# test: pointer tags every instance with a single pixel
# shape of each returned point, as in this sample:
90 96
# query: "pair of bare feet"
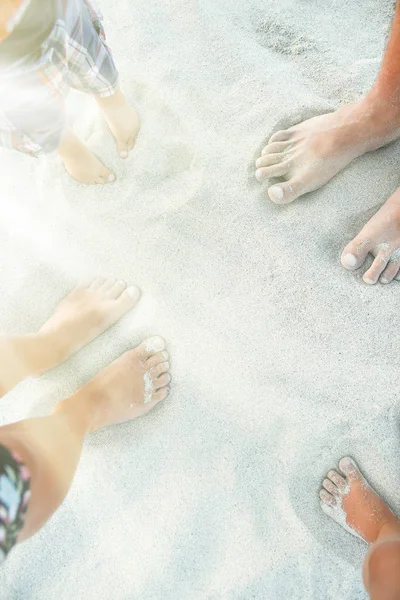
80 162
311 153
128 388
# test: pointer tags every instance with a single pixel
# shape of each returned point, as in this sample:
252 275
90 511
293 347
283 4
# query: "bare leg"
83 315
51 446
348 499
122 120
308 155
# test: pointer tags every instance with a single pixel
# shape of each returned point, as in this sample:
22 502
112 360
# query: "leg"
348 499
50 447
83 315
308 155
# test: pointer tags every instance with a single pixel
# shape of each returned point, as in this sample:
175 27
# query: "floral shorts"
32 116
14 498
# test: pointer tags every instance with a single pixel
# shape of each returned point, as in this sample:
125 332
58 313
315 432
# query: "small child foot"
122 120
349 500
81 163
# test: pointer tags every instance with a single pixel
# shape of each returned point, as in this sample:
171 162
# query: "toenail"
277 192
133 292
123 154
349 260
369 281
155 344
111 177
259 174
259 162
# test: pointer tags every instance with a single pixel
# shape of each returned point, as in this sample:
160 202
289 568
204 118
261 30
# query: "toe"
161 394
126 300
277 170
280 136
160 369
338 480
123 149
349 468
97 283
390 272
152 346
331 487
107 175
275 147
116 289
269 159
355 253
327 498
108 283
378 266
157 359
162 381
284 193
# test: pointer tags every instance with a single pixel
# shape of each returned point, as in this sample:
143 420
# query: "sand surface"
282 361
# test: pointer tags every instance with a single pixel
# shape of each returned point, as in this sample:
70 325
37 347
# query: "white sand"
282 361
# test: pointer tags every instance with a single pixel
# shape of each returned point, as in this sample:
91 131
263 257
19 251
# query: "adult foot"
128 388
348 499
380 237
81 163
309 154
122 120
86 313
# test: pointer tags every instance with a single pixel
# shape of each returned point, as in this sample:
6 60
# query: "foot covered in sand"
84 314
380 237
311 153
348 499
128 388
122 120
81 163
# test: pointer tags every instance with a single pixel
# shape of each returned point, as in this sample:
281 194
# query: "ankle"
79 411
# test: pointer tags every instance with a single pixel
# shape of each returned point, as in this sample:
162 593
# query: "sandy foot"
380 237
309 154
349 500
81 163
129 387
122 120
85 313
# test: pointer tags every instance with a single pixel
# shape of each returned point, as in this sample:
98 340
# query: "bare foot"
128 388
122 120
309 154
349 500
86 313
81 163
380 237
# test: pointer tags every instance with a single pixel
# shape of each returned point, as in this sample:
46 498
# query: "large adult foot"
309 154
380 237
128 388
349 500
81 163
122 120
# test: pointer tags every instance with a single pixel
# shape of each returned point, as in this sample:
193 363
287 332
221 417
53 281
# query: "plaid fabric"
11 12
32 97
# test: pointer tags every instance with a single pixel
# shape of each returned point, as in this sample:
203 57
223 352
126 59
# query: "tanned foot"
81 163
380 237
128 388
122 120
348 499
311 153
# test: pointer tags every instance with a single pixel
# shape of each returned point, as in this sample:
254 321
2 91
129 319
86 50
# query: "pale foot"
122 120
81 163
380 237
309 154
349 500
128 388
86 313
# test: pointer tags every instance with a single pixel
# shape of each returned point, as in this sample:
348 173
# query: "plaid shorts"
32 116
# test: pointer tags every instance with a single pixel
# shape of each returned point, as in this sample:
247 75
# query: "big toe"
126 300
355 253
152 346
349 468
284 193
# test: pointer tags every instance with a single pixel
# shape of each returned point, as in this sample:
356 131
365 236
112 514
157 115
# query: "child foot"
81 163
86 313
129 387
380 237
349 500
122 120
311 153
